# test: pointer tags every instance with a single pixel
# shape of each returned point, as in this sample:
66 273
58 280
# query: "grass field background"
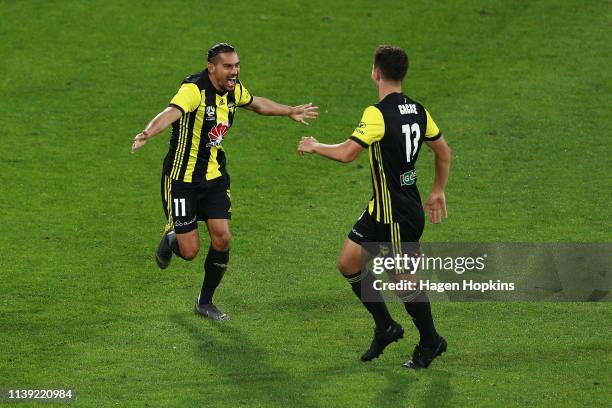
521 90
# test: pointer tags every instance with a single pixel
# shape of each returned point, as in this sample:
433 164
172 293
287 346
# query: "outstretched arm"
436 203
344 152
267 107
157 125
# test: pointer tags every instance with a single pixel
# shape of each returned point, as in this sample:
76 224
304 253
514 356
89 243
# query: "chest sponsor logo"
407 108
408 178
217 134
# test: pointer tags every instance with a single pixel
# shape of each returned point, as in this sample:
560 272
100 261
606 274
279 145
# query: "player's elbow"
348 156
444 154
260 107
448 153
260 110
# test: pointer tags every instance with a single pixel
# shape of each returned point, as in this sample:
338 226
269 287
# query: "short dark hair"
392 62
217 49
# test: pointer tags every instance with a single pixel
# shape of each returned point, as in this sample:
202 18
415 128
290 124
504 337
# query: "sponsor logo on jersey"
217 134
407 108
408 178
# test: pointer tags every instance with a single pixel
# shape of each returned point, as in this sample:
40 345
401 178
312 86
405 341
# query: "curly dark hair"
392 62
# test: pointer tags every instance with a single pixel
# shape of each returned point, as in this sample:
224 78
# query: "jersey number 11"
179 207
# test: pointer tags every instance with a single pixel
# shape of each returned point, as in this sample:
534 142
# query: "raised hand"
302 112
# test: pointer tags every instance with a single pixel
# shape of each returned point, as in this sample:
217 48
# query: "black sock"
173 243
214 268
371 299
419 309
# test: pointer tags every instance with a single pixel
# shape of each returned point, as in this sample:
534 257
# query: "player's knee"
189 252
221 241
345 267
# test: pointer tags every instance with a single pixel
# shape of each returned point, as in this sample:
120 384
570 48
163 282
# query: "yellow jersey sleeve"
371 128
243 96
432 132
188 98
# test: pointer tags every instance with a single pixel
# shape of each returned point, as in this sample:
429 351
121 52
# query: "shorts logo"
182 224
360 235
217 134
408 178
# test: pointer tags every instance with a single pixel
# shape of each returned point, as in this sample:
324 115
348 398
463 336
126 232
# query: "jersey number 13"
413 135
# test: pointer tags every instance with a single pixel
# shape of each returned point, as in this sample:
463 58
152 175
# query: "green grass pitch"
521 90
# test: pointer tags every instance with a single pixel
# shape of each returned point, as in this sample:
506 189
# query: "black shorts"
187 203
367 230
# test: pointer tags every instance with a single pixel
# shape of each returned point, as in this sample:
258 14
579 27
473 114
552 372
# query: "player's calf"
185 246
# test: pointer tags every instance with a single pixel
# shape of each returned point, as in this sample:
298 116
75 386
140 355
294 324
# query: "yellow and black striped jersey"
196 153
393 130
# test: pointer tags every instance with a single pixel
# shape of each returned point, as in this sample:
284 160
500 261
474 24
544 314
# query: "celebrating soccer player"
195 184
393 131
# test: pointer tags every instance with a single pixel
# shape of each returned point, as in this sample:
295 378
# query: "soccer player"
195 185
393 131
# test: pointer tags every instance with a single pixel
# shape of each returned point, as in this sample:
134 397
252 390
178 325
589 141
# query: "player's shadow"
400 393
439 393
251 375
244 367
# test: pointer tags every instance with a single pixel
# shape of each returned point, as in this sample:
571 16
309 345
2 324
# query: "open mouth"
232 81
